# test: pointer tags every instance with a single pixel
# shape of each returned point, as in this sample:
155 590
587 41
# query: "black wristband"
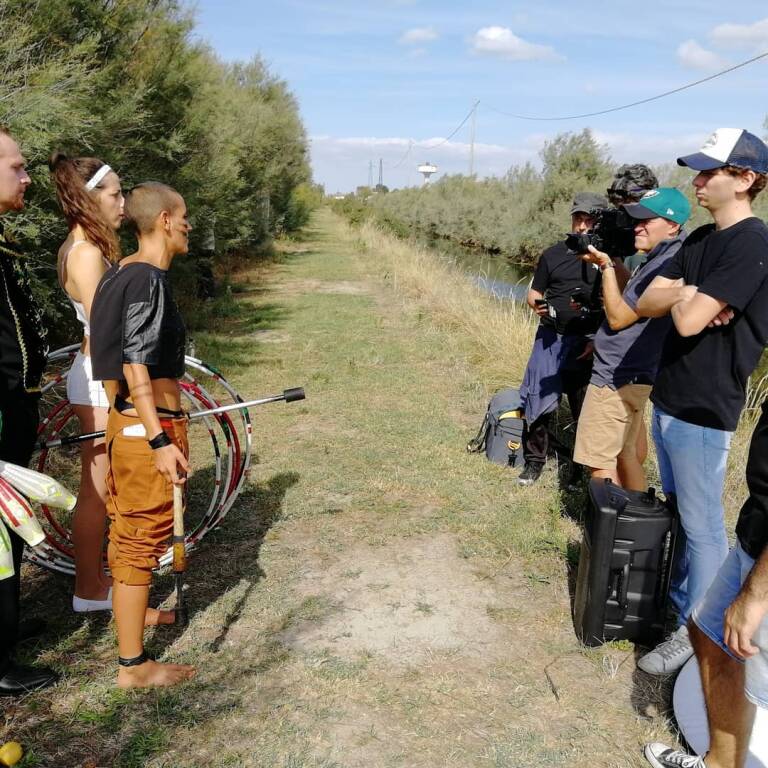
134 662
160 440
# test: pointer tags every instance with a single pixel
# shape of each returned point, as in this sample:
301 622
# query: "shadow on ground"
85 721
125 729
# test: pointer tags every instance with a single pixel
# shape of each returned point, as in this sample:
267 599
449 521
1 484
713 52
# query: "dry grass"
376 598
502 334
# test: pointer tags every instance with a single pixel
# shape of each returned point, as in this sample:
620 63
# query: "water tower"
426 170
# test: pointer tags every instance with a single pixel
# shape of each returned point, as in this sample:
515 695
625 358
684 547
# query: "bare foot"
153 617
153 674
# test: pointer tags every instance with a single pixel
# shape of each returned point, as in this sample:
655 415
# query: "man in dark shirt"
729 629
700 388
22 359
137 348
558 362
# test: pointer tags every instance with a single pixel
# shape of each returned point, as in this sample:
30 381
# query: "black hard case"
624 566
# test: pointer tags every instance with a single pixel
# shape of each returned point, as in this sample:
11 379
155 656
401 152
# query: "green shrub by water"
519 214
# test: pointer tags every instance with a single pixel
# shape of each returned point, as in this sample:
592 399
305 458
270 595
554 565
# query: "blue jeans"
692 463
709 617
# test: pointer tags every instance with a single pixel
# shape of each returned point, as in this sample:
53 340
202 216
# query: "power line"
405 156
455 130
634 103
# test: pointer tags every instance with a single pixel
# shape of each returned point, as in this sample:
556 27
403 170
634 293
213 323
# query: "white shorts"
81 388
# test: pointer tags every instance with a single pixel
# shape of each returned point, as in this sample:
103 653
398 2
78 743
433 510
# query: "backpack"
501 433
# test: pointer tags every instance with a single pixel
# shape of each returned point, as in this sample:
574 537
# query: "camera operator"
627 346
559 361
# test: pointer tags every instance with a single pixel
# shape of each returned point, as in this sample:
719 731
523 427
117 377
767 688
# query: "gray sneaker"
668 656
662 756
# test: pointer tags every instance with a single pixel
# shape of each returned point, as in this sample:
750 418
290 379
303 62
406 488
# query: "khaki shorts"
609 423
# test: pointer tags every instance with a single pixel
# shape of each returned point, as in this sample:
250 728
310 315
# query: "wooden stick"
179 553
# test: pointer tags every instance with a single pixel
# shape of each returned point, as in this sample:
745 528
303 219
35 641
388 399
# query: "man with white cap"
716 290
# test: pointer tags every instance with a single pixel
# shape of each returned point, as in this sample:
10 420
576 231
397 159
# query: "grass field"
377 597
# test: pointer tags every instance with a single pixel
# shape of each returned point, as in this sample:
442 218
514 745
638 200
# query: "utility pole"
370 174
381 173
472 141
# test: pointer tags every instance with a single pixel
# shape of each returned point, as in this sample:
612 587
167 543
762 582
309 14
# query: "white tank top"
79 308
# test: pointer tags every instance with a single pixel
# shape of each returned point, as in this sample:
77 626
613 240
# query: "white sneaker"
662 756
668 656
82 605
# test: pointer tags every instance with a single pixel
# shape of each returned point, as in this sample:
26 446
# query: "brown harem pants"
140 499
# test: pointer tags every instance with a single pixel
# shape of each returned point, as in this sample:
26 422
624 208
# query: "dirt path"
354 610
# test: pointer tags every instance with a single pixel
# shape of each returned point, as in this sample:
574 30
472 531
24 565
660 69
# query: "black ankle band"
134 662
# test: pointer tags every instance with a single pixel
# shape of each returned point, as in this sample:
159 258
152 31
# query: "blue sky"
373 78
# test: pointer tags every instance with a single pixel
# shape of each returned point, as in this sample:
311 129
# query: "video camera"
613 233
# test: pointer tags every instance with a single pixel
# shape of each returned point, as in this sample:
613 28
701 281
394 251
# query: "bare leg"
642 442
631 472
89 520
606 474
729 712
130 607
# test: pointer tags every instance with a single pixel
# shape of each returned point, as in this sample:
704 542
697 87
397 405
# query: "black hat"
586 202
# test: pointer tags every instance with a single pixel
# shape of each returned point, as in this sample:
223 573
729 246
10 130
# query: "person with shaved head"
137 349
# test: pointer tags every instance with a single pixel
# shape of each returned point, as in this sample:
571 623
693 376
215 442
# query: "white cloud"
742 35
503 42
341 163
691 54
418 35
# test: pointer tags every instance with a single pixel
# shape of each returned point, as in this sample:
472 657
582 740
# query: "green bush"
517 215
128 82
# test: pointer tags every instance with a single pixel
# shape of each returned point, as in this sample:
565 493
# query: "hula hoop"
231 441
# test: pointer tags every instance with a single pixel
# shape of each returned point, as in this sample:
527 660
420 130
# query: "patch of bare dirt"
270 337
348 287
402 600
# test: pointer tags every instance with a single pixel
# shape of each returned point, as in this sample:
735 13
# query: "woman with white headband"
92 201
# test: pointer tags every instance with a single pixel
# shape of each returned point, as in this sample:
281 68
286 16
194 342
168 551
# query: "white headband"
97 177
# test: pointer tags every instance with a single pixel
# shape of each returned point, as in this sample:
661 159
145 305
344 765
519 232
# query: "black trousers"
752 526
17 442
536 437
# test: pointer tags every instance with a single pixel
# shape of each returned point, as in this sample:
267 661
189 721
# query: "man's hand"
542 310
596 257
742 618
687 292
589 350
168 460
723 318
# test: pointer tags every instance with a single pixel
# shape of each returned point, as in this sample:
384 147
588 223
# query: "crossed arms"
691 311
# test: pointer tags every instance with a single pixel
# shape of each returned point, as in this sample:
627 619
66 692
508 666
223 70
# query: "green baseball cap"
667 202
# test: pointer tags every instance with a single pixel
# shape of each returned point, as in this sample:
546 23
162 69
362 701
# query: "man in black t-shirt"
558 362
719 275
22 359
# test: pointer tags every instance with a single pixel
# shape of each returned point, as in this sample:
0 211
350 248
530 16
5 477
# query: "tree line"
128 82
519 214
